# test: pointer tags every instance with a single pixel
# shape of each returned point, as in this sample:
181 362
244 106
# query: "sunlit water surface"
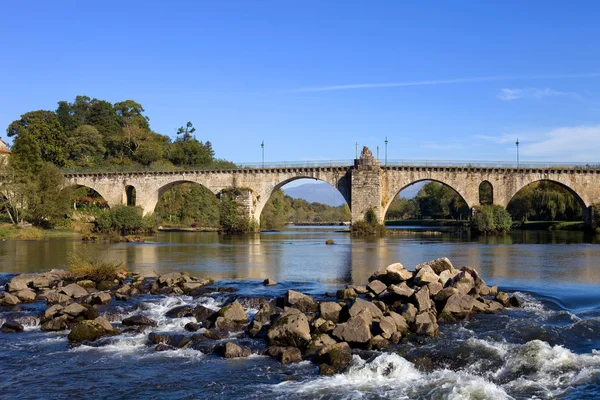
548 349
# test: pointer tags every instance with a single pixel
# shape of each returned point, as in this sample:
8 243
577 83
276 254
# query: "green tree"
186 131
490 219
38 135
86 147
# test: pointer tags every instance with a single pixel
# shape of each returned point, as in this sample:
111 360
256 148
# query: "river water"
550 348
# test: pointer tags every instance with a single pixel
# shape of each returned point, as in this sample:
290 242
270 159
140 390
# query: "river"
548 349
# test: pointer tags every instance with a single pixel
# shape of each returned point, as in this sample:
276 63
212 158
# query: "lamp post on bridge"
517 143
386 143
262 145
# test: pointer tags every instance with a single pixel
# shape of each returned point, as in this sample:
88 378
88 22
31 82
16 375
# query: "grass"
87 266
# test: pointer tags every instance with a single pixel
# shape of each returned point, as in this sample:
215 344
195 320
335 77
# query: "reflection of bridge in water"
364 185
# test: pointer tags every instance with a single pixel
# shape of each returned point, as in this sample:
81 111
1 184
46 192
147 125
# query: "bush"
232 218
370 226
28 233
125 220
491 219
86 266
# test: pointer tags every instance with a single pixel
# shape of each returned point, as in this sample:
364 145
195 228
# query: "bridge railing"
340 163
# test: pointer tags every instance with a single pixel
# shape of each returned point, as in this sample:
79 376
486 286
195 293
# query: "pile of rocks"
395 305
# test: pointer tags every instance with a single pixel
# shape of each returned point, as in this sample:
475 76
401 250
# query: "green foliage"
370 225
485 193
274 215
434 200
38 137
186 131
85 146
232 217
124 220
188 204
490 219
545 201
190 152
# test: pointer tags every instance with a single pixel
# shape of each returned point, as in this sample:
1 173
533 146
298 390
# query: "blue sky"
442 80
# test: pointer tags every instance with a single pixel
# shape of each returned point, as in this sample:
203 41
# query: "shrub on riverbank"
124 220
491 219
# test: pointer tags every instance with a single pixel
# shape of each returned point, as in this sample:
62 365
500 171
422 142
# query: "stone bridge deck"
364 185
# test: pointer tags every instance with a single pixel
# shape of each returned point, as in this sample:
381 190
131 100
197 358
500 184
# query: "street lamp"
517 143
386 142
262 145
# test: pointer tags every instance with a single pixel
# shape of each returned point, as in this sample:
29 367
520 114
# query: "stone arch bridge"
364 185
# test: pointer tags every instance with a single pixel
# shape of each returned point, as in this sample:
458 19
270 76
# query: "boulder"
434 288
232 350
86 284
378 343
463 281
73 290
334 358
397 273
189 287
400 321
345 294
330 311
74 310
402 290
269 282
139 320
54 297
458 306
100 298
285 355
408 312
20 282
299 301
425 276
445 293
380 275
9 300
172 279
376 287
291 329
180 312
90 330
438 265
265 312
202 313
231 317
254 328
55 324
357 330
172 340
360 305
51 312
503 299
425 324
26 295
493 306
12 326
422 300
192 327
321 325
317 343
387 327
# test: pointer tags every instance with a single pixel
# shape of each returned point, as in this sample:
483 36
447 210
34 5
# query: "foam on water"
391 376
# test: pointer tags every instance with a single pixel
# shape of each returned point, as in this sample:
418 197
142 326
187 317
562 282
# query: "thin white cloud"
563 144
507 94
577 143
331 88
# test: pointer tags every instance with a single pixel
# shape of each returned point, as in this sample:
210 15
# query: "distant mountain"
319 192
411 191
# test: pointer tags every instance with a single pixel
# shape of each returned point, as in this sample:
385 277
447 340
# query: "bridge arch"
152 199
265 196
89 197
395 193
486 193
579 199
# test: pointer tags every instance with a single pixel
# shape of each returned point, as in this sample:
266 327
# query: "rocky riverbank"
396 305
